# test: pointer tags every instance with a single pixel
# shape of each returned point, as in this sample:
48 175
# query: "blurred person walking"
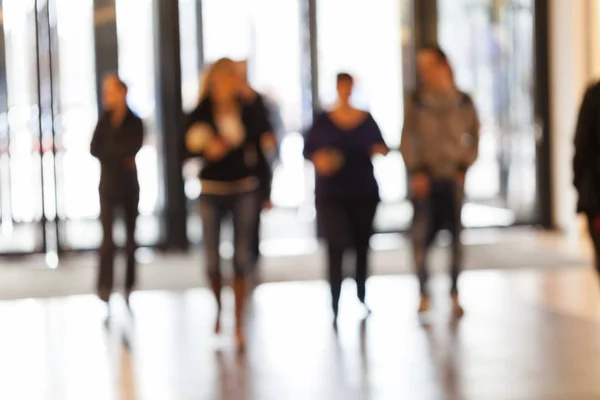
341 144
439 143
117 139
586 165
226 133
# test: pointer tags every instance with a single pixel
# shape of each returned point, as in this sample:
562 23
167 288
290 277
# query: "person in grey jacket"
439 143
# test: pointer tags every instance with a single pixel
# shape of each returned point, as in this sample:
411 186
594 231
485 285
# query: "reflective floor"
526 335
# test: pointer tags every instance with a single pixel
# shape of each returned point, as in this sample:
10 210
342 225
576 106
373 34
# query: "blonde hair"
222 64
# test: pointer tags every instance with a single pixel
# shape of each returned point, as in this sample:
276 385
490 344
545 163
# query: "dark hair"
118 80
437 50
441 56
344 76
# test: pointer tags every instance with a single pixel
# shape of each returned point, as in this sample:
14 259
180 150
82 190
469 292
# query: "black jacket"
263 168
113 146
239 163
586 162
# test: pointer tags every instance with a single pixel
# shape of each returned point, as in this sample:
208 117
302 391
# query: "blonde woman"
225 133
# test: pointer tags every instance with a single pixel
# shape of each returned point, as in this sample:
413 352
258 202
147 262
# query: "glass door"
490 44
364 38
21 189
75 114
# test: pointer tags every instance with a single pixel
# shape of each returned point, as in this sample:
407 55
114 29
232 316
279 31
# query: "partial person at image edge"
586 165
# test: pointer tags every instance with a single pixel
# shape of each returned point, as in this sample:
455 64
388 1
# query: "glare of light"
52 260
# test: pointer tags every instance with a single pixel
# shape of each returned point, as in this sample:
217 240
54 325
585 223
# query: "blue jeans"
213 210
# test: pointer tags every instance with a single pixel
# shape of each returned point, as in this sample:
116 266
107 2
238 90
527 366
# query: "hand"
461 178
327 162
420 185
268 143
198 137
129 163
596 223
380 148
216 150
267 205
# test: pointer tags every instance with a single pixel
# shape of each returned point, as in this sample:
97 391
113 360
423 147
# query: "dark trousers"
110 202
440 211
213 211
346 223
595 236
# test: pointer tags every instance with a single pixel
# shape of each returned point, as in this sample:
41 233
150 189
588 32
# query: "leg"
130 208
107 249
244 222
362 214
335 258
455 223
255 244
595 237
211 214
333 222
424 229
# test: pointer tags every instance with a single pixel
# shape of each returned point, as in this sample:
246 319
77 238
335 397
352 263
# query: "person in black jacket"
266 151
586 165
117 139
226 133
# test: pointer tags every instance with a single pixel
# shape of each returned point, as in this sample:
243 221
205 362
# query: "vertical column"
425 22
313 53
105 41
593 19
200 33
310 92
542 113
42 52
408 35
568 80
169 117
47 51
3 87
4 137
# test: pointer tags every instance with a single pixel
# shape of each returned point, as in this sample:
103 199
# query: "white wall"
572 38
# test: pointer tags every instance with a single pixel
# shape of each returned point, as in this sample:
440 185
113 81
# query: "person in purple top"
341 144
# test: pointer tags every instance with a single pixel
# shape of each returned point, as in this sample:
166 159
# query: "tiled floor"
526 335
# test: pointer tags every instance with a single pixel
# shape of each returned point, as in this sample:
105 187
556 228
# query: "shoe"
104 294
424 304
240 340
367 309
127 296
218 325
457 309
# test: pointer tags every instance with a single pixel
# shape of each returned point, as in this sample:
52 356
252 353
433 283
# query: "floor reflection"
515 341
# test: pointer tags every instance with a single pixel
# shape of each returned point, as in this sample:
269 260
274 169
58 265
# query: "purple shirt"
356 178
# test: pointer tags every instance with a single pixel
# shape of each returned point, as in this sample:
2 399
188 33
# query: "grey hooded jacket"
440 134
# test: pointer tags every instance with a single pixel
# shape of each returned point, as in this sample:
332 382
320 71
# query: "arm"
95 145
585 122
377 145
311 143
471 142
198 133
267 139
410 144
